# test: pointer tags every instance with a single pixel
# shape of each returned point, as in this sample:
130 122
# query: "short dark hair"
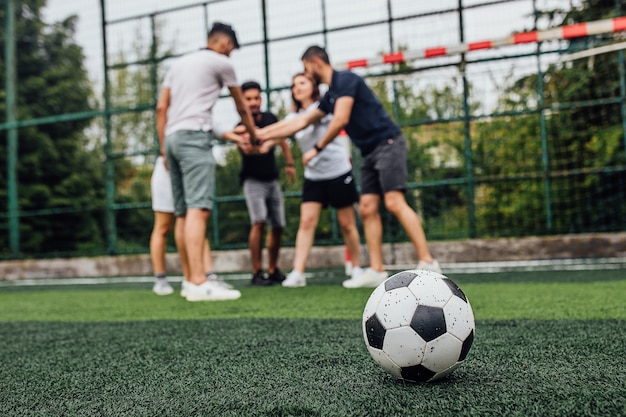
250 85
315 51
225 29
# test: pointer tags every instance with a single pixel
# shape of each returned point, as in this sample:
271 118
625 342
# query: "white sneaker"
219 281
365 278
429 266
183 288
209 291
162 287
356 271
294 279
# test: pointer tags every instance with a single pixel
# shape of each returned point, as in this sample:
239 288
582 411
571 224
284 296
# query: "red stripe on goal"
357 63
432 52
526 37
619 23
479 45
393 58
575 31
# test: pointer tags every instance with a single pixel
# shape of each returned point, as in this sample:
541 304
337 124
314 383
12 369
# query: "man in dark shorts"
264 197
356 109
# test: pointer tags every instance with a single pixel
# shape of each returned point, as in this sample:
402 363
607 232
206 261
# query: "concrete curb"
587 246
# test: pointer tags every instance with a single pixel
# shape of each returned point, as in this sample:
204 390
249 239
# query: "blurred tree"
430 116
585 143
135 80
55 170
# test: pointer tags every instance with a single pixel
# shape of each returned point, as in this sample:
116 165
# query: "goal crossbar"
577 30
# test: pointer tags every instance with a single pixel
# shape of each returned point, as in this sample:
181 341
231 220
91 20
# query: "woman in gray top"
328 181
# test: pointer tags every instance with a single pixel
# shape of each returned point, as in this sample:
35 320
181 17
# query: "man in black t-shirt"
264 197
384 175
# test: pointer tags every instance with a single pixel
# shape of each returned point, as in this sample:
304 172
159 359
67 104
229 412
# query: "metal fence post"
11 117
266 54
622 80
545 157
111 227
467 118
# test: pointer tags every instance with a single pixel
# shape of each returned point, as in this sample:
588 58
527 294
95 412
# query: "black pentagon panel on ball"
467 344
429 322
416 373
399 280
455 289
375 332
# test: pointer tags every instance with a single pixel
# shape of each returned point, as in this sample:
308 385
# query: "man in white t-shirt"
184 124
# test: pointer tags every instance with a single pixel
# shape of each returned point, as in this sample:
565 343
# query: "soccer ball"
418 325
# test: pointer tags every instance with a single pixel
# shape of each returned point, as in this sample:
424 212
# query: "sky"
185 30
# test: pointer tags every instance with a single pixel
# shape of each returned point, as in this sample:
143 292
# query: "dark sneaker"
276 276
259 279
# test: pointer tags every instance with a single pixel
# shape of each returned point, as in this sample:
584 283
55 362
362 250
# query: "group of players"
187 132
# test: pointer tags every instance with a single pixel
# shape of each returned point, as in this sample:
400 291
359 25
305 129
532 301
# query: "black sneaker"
259 279
276 276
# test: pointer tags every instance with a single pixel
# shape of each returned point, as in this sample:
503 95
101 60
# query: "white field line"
528 265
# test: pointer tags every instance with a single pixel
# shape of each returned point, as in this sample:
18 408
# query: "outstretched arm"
231 136
341 117
239 135
244 113
277 131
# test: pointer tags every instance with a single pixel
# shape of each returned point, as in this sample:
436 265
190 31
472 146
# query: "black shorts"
384 169
338 193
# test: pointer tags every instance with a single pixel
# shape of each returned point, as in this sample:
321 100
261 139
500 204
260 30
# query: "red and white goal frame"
577 30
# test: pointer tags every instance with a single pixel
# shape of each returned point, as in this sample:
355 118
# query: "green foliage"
133 135
234 223
233 226
134 86
566 175
54 169
583 153
135 223
435 151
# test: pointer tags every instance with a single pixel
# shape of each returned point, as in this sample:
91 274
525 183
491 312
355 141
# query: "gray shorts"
384 169
192 169
265 202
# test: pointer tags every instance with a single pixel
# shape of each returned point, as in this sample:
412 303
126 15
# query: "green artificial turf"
547 344
302 367
545 295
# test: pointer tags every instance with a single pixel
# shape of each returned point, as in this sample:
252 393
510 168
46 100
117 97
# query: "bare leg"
255 241
347 222
373 227
397 205
179 237
194 240
273 248
207 259
158 240
309 216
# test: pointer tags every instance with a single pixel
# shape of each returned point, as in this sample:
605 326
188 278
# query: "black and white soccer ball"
418 325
